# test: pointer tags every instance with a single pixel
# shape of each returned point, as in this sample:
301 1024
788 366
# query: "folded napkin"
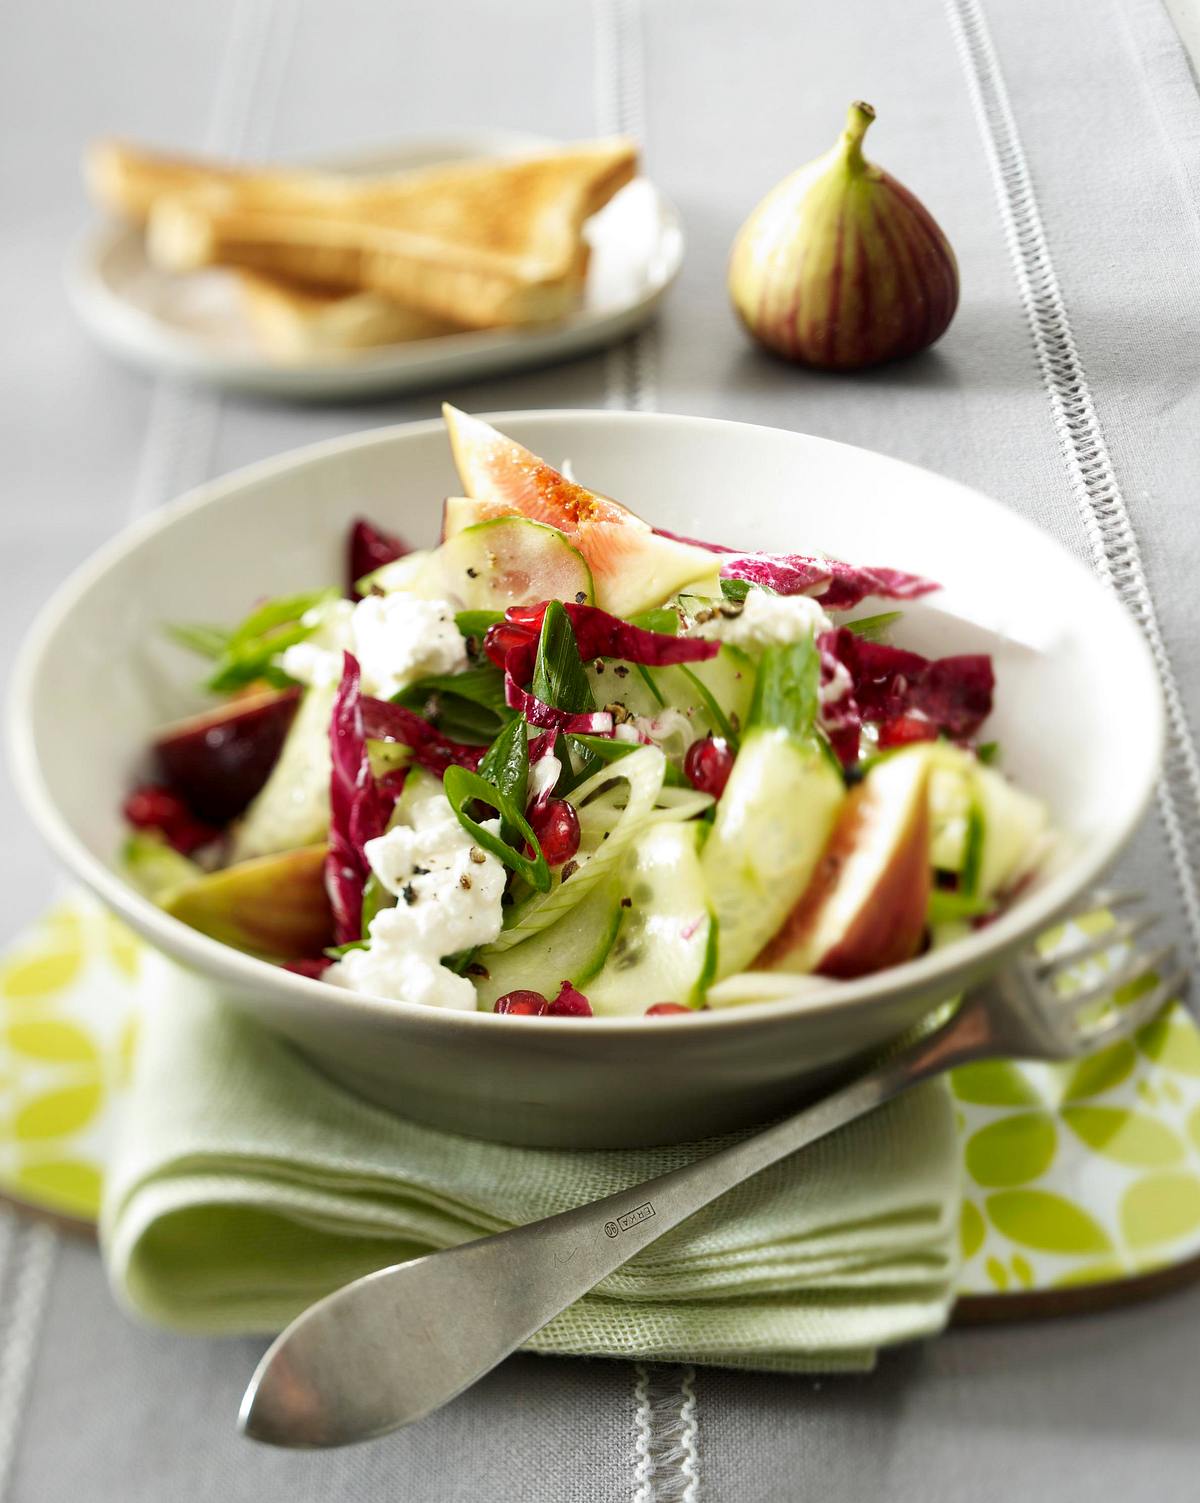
244 1186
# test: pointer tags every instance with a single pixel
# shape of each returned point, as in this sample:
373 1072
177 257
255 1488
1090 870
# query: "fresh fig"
275 907
219 760
840 266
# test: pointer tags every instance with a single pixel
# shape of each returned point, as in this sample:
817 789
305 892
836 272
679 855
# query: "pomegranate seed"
664 1009
529 616
522 1004
152 807
500 639
556 826
708 764
570 1003
905 729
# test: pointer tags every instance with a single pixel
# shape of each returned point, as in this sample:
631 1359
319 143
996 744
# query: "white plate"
1078 715
192 326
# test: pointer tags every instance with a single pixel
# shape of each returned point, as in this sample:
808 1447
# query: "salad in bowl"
566 764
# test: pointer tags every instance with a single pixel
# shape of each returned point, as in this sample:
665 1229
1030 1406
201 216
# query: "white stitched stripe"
33 1252
1116 553
689 1467
643 1468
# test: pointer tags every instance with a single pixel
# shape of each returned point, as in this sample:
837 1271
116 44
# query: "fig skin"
840 267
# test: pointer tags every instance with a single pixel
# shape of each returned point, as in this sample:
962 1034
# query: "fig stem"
858 119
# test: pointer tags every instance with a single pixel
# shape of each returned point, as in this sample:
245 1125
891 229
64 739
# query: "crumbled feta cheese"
448 892
396 639
766 620
317 661
400 974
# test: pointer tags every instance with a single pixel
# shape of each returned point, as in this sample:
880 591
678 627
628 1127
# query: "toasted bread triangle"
477 243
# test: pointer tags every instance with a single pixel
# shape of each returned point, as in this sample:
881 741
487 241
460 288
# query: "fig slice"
633 567
867 902
274 907
218 760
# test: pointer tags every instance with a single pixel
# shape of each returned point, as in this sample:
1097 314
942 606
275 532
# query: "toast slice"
293 322
479 244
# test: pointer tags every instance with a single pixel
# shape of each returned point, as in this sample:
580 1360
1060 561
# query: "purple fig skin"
216 762
275 907
840 267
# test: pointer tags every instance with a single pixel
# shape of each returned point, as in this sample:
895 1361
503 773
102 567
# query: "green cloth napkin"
245 1185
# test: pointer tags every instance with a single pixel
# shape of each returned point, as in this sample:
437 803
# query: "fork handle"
393 1346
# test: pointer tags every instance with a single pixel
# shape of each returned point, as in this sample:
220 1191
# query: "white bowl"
193 326
1078 716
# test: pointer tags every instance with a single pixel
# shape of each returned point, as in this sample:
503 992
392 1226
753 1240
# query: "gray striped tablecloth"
1059 144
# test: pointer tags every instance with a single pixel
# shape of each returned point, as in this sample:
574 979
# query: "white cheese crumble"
448 891
396 639
766 620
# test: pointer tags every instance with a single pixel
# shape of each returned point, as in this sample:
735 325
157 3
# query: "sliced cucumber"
602 847
983 827
771 826
292 807
726 680
573 950
663 950
513 561
418 573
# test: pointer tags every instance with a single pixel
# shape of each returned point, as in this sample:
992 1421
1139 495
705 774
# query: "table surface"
1075 123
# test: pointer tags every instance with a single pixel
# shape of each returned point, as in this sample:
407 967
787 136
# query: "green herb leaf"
648 679
988 753
738 589
786 693
207 641
559 678
955 907
475 623
335 952
506 766
375 898
968 878
875 628
462 787
270 629
468 706
661 619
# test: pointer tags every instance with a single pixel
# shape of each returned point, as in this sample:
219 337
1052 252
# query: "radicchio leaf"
587 722
891 685
836 585
368 548
601 635
384 721
360 805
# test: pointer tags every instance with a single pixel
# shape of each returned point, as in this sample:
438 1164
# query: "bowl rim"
935 973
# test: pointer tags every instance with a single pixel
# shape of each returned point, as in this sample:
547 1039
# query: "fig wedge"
866 905
633 567
274 907
218 761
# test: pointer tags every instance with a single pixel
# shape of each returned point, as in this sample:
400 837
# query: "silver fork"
393 1346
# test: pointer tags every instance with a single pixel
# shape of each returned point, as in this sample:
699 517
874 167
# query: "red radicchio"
368 548
836 585
536 712
384 721
315 967
890 685
598 635
359 805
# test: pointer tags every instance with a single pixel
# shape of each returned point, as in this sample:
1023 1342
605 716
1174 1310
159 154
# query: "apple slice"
219 760
866 905
632 566
275 907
